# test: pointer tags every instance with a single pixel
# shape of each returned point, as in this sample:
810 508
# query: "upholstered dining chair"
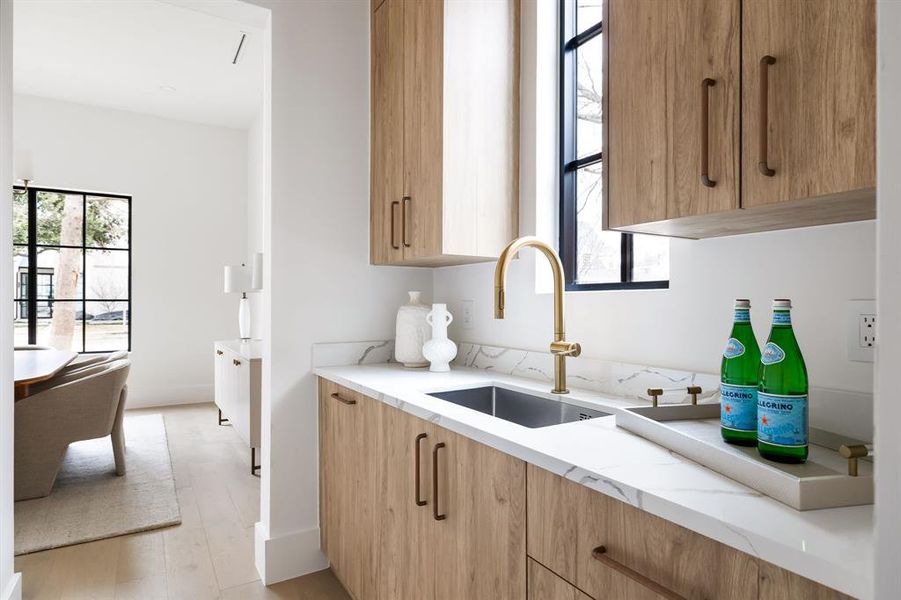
81 406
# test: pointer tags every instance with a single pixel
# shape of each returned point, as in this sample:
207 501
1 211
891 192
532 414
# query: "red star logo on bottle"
728 408
764 420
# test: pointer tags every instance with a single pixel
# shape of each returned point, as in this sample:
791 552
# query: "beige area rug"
89 502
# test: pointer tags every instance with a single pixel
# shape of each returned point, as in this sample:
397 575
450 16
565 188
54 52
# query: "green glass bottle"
782 413
738 380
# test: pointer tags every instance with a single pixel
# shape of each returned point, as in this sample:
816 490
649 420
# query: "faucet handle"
565 348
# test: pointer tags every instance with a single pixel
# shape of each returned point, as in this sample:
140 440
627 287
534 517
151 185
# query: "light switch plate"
467 316
860 325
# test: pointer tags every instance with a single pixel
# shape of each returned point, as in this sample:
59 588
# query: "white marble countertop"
832 546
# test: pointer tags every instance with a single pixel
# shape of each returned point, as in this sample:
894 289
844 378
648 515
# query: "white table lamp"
238 280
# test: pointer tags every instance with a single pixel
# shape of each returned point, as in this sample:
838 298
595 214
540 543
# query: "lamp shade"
237 279
256 280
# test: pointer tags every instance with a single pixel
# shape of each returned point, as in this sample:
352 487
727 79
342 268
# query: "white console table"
238 390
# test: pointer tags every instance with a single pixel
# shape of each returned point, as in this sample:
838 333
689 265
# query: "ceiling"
145 56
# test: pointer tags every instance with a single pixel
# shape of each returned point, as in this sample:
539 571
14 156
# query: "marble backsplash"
847 412
613 378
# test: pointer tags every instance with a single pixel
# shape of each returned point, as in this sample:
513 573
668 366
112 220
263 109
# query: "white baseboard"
287 556
14 589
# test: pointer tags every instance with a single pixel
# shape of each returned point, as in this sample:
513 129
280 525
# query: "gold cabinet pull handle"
237 363
408 207
438 517
762 165
419 438
218 352
342 399
705 132
600 554
394 206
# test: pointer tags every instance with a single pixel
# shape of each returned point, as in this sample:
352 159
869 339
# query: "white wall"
10 583
888 352
319 284
189 188
687 325
255 191
682 327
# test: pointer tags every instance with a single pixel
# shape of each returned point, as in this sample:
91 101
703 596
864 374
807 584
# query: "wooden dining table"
34 366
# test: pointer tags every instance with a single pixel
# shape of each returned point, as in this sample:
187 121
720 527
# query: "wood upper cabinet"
782 145
673 86
387 168
445 131
820 110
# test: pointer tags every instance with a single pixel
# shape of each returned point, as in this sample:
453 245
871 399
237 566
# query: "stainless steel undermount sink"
517 407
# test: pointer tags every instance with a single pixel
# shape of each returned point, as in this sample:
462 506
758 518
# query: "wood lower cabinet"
479 520
645 557
412 511
568 522
778 584
456 531
547 585
348 476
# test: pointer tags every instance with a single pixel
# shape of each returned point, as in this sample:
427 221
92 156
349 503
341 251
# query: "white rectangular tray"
694 432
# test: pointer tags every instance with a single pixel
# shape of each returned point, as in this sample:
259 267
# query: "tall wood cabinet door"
406 559
703 92
387 168
421 208
348 473
481 531
820 117
636 120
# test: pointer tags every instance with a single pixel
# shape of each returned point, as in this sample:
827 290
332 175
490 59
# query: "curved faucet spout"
560 348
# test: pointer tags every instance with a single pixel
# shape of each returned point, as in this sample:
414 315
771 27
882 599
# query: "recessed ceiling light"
167 88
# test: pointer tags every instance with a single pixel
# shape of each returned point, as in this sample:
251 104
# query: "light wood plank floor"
210 555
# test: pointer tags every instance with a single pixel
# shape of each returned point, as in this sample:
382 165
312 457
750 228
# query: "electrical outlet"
867 331
468 316
861 330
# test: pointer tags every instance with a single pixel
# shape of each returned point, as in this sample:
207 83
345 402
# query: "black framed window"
593 259
72 260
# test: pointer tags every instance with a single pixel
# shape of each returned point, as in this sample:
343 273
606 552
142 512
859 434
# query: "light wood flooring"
210 555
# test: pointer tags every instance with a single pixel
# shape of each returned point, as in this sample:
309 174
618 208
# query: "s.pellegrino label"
738 407
738 380
783 420
782 403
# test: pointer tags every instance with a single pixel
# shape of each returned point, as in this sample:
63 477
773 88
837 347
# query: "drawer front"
546 585
643 556
777 583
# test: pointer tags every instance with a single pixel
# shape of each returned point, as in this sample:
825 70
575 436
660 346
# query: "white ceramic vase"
411 333
439 350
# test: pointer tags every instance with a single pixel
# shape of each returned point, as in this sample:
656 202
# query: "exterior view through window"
72 269
593 258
